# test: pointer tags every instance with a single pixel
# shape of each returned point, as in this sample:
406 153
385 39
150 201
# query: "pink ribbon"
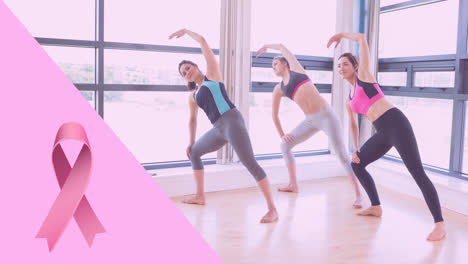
73 182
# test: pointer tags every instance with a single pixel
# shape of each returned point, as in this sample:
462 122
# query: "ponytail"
191 86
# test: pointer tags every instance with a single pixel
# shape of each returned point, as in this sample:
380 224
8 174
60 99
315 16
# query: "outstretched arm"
364 67
277 94
293 62
212 68
354 132
192 122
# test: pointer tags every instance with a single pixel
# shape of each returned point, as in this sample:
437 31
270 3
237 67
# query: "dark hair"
283 60
354 61
190 85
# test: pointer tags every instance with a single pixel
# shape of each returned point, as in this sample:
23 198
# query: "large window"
151 22
76 63
153 125
419 58
434 79
303 26
141 84
277 22
431 120
144 67
419 31
141 94
63 20
56 18
392 78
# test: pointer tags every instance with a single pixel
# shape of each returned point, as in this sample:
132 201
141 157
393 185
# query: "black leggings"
394 130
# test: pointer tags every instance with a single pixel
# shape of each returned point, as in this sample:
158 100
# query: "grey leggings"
327 121
230 127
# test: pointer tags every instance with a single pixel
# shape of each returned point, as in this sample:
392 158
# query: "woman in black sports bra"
319 116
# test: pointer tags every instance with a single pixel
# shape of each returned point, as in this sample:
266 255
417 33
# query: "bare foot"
438 233
371 211
195 200
358 203
271 216
290 188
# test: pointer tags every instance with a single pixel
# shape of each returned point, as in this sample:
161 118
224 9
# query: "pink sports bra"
365 94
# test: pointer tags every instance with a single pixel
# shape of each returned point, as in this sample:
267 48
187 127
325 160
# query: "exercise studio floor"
318 225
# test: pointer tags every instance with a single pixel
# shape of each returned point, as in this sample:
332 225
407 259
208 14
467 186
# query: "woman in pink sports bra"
392 130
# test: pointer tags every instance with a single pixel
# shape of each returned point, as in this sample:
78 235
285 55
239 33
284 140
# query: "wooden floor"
318 225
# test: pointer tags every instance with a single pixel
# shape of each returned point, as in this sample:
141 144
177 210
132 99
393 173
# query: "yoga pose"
393 130
297 86
208 93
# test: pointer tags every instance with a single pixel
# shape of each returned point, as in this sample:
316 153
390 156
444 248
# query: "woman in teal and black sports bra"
393 130
208 92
